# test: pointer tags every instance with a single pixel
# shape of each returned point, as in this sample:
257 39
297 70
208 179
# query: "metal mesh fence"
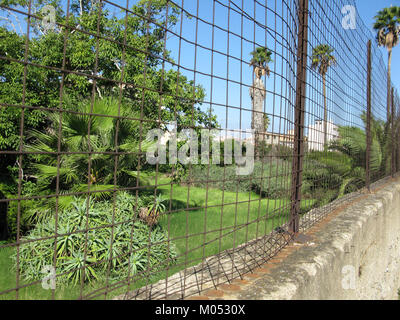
154 149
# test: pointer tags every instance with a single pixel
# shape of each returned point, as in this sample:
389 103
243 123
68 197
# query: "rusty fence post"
398 132
393 164
368 127
298 149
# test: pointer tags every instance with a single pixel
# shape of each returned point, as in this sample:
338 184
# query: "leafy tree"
387 25
322 58
129 59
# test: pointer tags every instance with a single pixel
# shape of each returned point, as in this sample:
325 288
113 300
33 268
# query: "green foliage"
80 132
223 178
270 180
326 170
387 22
322 58
267 122
260 59
147 92
281 152
72 169
179 173
342 170
151 212
105 246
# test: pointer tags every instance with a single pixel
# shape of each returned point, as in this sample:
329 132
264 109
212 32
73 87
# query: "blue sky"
219 63
367 10
228 87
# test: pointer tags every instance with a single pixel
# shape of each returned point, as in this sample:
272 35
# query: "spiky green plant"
127 248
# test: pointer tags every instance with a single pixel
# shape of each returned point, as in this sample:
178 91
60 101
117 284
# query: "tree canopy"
128 58
387 24
322 58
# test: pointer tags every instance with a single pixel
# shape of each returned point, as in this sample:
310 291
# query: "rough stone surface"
359 232
357 256
216 270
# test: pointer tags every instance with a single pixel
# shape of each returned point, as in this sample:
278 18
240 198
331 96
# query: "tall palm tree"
322 58
260 59
387 25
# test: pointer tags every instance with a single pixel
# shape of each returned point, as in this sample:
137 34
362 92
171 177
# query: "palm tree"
266 122
74 142
388 29
260 59
322 58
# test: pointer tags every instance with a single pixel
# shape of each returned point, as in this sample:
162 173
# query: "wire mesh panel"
154 149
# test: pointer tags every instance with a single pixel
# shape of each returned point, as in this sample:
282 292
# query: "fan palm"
322 59
81 132
352 142
261 56
387 25
259 61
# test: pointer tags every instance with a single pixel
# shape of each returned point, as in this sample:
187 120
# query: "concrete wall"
355 255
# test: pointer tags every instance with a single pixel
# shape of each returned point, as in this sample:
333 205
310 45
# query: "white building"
316 135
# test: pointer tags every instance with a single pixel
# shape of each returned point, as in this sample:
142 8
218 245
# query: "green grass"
229 219
221 220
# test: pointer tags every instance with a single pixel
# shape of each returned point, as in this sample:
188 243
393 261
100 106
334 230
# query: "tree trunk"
3 218
325 113
389 84
257 93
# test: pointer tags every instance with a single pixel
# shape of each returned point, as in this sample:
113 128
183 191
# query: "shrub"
223 178
270 179
149 245
281 152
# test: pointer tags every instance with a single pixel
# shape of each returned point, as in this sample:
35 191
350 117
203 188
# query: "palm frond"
322 58
67 174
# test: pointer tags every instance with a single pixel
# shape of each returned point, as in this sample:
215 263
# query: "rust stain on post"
368 151
298 152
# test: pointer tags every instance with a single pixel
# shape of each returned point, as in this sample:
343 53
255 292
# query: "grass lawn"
221 220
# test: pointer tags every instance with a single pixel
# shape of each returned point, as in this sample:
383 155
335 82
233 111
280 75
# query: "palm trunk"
257 93
325 112
389 84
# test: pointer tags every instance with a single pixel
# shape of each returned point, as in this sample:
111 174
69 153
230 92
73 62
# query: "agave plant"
129 247
78 268
152 212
